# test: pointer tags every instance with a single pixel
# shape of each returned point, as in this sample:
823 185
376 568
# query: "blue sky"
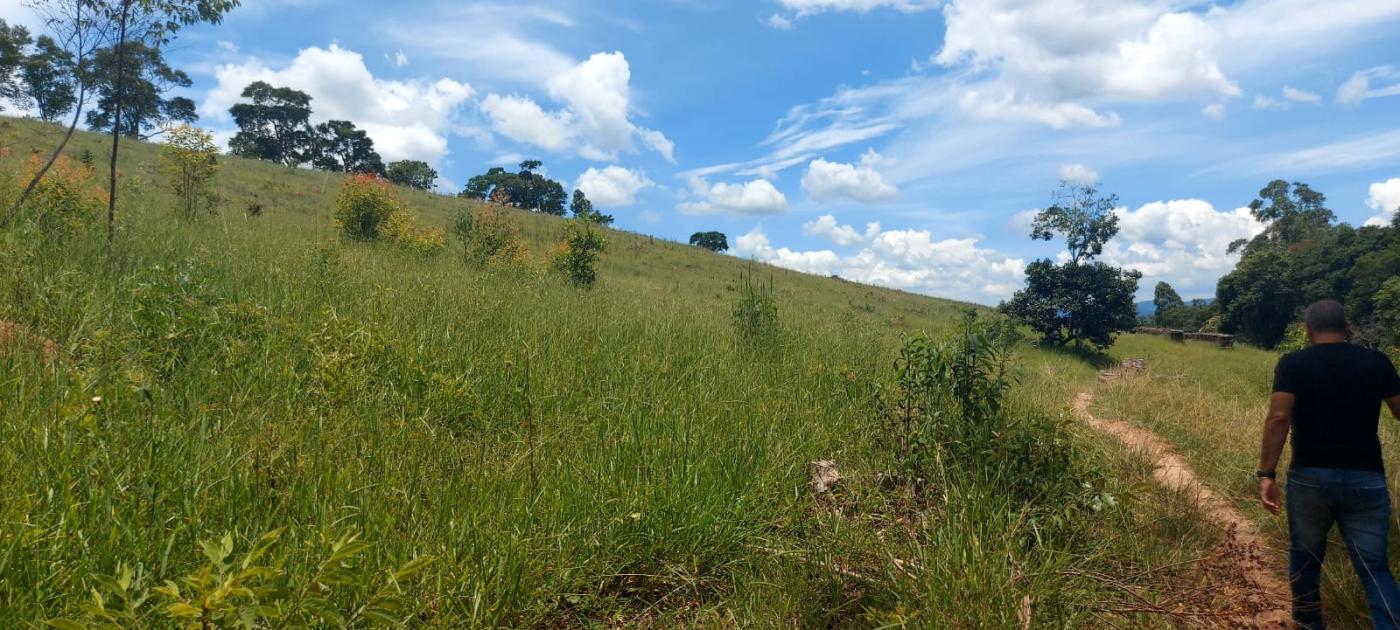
898 142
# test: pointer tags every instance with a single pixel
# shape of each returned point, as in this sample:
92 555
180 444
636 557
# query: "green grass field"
608 457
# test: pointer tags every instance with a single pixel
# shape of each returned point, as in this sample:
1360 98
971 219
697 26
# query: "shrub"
401 229
490 237
67 199
576 255
756 314
364 205
190 160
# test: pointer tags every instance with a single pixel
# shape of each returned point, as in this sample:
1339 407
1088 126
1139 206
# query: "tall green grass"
614 456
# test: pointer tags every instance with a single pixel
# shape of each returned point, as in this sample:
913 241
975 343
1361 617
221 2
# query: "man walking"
1330 396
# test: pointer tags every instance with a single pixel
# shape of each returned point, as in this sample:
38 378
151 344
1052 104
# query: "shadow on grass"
1083 354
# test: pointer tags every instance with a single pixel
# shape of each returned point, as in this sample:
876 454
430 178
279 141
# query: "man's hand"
1269 495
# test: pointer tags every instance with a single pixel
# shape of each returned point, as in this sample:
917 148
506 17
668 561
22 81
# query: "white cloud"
1358 87
1331 157
406 119
903 259
1183 242
1265 102
1078 174
756 197
613 187
1048 59
595 120
1214 111
1385 200
808 7
400 59
521 119
779 23
496 47
1300 96
829 181
843 235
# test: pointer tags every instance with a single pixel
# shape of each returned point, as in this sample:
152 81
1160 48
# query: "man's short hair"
1327 316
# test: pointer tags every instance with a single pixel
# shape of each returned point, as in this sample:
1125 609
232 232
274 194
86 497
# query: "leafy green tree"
136 25
412 173
1292 214
582 208
1165 298
525 189
190 161
144 111
50 79
577 255
275 126
1081 300
713 241
339 146
13 42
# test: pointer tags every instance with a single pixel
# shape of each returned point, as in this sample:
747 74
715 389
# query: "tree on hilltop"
525 189
275 126
1081 300
713 241
582 208
49 77
339 146
412 173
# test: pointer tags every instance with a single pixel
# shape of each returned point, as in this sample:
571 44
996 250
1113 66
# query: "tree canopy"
1081 300
13 41
524 189
713 241
274 126
138 79
49 77
582 208
340 146
412 173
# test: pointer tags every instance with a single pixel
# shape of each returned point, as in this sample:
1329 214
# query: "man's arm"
1276 426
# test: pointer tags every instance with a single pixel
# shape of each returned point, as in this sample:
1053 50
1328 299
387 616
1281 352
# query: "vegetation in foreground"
351 431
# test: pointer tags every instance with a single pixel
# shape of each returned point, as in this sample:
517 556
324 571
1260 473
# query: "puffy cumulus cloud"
1078 174
808 7
759 196
1049 56
613 187
1385 200
1183 242
829 181
595 118
523 120
406 119
844 235
911 260
779 23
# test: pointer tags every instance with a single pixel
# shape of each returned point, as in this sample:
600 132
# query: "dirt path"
1263 588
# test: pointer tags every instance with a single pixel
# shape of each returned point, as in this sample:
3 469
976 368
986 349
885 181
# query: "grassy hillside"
614 456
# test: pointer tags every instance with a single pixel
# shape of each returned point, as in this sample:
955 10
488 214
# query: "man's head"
1326 321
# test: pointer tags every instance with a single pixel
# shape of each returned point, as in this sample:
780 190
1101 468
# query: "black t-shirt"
1339 389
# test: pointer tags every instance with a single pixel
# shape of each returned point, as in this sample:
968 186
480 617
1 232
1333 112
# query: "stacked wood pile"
1128 368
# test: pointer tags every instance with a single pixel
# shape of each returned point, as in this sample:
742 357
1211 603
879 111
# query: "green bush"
576 256
364 206
489 237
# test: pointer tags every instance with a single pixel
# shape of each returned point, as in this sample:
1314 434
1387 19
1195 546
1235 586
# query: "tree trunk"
118 97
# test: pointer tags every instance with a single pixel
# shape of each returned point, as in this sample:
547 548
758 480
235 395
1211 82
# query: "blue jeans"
1358 502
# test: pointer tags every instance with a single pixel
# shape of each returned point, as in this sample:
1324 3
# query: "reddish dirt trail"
1244 543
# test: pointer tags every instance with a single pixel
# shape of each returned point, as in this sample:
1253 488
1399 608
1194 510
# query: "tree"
1291 213
1164 299
150 24
50 79
339 146
525 189
412 173
190 160
713 241
1080 300
13 42
145 112
275 126
582 208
